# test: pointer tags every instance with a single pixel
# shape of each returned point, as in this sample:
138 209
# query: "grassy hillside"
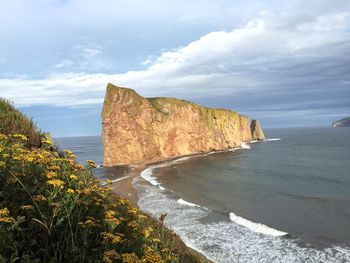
53 210
13 121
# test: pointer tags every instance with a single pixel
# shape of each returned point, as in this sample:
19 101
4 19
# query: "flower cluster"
52 207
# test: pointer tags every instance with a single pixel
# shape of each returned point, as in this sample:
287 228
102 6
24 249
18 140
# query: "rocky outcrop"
257 133
342 123
137 130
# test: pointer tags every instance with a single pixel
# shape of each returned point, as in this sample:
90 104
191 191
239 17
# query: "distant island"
138 130
345 122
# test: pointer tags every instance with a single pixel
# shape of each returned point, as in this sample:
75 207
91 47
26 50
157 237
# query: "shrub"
13 121
52 210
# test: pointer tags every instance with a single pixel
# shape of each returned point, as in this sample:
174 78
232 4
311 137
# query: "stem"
41 214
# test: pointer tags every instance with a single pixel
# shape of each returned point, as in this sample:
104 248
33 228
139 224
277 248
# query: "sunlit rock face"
138 130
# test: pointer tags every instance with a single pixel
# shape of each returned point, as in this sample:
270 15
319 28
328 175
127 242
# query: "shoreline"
125 189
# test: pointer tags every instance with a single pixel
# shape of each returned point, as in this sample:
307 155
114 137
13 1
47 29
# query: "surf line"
256 227
119 179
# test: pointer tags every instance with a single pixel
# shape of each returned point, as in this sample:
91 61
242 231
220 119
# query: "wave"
181 159
147 174
245 145
222 241
256 227
119 179
183 202
272 140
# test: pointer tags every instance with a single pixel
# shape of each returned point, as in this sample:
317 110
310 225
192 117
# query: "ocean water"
286 199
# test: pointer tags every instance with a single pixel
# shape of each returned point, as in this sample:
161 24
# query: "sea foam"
245 145
225 241
272 140
147 174
256 227
183 202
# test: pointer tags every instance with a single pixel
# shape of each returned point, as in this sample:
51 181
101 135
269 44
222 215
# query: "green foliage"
13 121
52 210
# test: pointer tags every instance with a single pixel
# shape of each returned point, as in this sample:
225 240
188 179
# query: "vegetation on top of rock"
345 122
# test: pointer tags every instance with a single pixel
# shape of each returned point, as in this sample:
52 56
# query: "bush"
13 121
52 210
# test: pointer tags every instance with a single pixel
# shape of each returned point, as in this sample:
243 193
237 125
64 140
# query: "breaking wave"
245 145
272 140
256 227
226 240
183 202
233 239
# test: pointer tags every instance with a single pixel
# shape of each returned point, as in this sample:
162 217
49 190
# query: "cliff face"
257 133
342 123
137 130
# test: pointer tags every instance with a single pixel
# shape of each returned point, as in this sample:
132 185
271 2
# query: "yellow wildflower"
79 167
132 224
27 208
110 256
3 136
7 220
12 180
20 136
109 237
146 233
2 164
69 154
73 176
91 163
56 183
130 258
54 168
46 142
132 210
110 217
69 190
4 212
39 198
51 175
29 159
142 217
4 216
89 222
152 257
156 240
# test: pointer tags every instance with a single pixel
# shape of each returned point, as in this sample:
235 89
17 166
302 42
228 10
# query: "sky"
286 63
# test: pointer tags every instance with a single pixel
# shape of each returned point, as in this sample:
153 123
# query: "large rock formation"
342 123
137 130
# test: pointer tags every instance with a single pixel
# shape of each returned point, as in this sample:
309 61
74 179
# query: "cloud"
84 57
291 58
64 63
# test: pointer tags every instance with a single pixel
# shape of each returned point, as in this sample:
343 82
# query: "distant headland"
345 122
138 130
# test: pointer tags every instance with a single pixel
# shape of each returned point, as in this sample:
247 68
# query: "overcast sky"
286 63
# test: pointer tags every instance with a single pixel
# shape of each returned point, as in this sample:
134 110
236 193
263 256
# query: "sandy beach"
123 186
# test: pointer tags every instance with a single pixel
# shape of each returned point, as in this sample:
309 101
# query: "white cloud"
272 53
84 57
64 63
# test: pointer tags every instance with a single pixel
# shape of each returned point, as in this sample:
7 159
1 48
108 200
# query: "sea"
285 199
